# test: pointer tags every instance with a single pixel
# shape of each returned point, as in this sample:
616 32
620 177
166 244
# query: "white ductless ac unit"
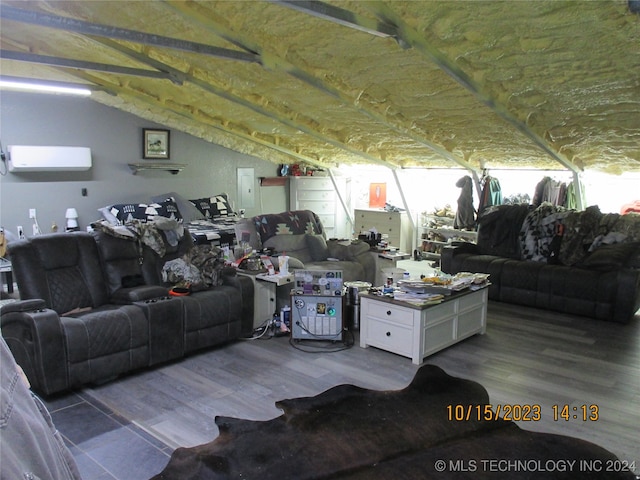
24 158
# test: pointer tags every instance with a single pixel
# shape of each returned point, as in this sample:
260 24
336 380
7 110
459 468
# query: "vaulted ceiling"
479 84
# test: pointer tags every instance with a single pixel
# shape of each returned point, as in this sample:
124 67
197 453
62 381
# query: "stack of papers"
419 299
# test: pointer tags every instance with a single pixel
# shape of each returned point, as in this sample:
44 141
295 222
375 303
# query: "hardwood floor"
527 357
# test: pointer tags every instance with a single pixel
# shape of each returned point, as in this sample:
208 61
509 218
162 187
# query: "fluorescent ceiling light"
42 88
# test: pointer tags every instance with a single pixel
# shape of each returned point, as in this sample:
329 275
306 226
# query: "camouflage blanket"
200 268
160 235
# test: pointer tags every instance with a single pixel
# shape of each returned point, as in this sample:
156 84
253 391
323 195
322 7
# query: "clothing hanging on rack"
465 214
551 191
491 193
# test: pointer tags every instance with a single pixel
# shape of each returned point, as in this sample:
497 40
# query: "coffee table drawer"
391 337
389 313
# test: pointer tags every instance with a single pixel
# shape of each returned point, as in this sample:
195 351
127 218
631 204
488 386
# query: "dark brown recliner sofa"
602 284
76 323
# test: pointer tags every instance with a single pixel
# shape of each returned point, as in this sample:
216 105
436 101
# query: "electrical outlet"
20 232
32 213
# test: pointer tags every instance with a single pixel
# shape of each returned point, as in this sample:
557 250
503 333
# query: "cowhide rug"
349 432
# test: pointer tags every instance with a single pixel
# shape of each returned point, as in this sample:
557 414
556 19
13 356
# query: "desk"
5 269
271 293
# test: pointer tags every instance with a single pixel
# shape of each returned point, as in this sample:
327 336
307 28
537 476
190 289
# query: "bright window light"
37 87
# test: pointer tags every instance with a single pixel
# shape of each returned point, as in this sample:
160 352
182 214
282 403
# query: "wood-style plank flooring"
527 357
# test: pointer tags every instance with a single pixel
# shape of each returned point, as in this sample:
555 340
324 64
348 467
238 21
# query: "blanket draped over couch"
584 263
349 432
300 235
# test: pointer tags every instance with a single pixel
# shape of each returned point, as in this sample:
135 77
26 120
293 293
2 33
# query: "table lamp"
72 219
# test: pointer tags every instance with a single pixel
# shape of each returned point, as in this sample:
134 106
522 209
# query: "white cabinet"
319 195
417 332
435 231
395 225
270 294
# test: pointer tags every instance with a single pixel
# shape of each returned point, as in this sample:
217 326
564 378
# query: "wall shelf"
173 168
273 181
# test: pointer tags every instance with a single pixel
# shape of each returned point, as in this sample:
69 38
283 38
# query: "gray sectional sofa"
592 269
94 306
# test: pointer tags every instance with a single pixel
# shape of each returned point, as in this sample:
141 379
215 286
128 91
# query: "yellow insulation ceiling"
478 84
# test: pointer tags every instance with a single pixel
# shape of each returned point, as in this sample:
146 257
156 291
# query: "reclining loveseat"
579 262
300 235
94 306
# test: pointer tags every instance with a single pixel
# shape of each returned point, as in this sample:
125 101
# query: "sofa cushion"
245 231
610 257
297 222
342 251
294 263
145 212
294 246
317 247
213 207
499 230
188 211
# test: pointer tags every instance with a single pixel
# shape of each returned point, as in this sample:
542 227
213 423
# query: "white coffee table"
419 331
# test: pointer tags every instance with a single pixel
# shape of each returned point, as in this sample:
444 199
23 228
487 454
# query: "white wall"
115 139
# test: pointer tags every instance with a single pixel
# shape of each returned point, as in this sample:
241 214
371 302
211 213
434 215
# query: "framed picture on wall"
155 143
377 195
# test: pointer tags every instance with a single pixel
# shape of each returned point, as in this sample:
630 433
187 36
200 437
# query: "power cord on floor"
266 330
324 346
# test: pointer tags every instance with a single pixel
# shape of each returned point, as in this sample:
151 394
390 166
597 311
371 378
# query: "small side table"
386 260
5 269
271 293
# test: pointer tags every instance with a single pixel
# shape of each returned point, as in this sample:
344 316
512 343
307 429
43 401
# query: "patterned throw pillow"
212 207
144 212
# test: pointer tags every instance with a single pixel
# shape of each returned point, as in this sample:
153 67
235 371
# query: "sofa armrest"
356 251
627 299
35 336
22 306
449 251
125 296
344 251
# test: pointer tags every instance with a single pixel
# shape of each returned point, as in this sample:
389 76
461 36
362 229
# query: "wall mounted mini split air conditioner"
48 159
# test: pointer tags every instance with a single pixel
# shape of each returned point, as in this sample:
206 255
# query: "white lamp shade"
72 218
